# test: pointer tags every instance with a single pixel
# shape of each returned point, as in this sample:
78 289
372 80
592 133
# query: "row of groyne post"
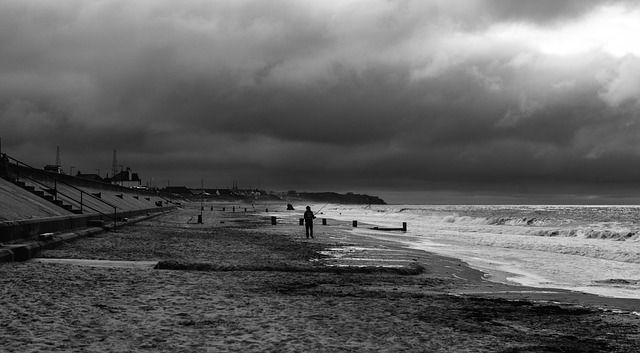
274 219
354 224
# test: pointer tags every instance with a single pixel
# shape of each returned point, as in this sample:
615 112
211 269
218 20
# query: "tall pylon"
58 156
114 165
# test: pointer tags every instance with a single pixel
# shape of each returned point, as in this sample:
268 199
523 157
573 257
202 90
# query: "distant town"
125 177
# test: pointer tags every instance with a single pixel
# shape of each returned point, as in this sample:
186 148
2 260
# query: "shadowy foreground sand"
238 283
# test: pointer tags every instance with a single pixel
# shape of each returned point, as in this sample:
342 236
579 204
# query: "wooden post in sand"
404 226
355 224
301 221
273 220
324 221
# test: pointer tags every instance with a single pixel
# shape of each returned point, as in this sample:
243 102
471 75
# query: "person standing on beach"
308 222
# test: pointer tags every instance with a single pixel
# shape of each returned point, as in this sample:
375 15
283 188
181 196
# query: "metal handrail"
56 181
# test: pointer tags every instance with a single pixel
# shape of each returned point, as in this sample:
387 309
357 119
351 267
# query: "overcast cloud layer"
319 95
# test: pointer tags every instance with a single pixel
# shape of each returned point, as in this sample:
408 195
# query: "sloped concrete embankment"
24 223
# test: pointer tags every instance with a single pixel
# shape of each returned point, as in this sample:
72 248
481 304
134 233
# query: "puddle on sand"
98 263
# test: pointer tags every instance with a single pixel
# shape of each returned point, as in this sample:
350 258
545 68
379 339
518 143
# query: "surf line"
458 277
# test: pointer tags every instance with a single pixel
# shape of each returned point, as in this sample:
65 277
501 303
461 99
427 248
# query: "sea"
591 249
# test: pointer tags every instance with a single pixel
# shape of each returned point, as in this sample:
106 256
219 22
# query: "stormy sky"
475 97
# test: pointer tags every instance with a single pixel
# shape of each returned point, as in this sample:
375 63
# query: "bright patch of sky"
611 29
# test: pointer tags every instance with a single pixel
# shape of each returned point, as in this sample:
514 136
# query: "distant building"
53 168
178 190
126 178
94 177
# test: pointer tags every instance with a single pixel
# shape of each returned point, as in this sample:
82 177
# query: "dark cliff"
333 197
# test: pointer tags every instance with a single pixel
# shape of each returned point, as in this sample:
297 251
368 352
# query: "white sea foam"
593 249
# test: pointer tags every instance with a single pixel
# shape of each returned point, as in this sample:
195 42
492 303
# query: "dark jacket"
308 217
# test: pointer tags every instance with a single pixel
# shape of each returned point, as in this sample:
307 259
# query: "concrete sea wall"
26 213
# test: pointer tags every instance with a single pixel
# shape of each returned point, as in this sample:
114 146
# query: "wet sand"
238 283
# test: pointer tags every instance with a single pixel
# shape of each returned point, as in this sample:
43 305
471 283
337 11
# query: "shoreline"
477 278
509 276
500 286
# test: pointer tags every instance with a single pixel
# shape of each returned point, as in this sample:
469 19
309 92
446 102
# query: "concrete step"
57 202
39 193
22 252
45 236
76 211
96 223
29 188
48 198
67 207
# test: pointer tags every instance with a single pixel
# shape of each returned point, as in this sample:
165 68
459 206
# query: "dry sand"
248 286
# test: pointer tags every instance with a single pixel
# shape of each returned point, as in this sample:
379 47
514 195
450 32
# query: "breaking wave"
587 223
622 235
583 228
580 247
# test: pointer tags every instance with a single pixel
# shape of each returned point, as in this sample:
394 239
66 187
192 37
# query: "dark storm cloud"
543 11
317 93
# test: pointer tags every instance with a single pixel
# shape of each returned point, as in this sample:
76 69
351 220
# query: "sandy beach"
238 283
